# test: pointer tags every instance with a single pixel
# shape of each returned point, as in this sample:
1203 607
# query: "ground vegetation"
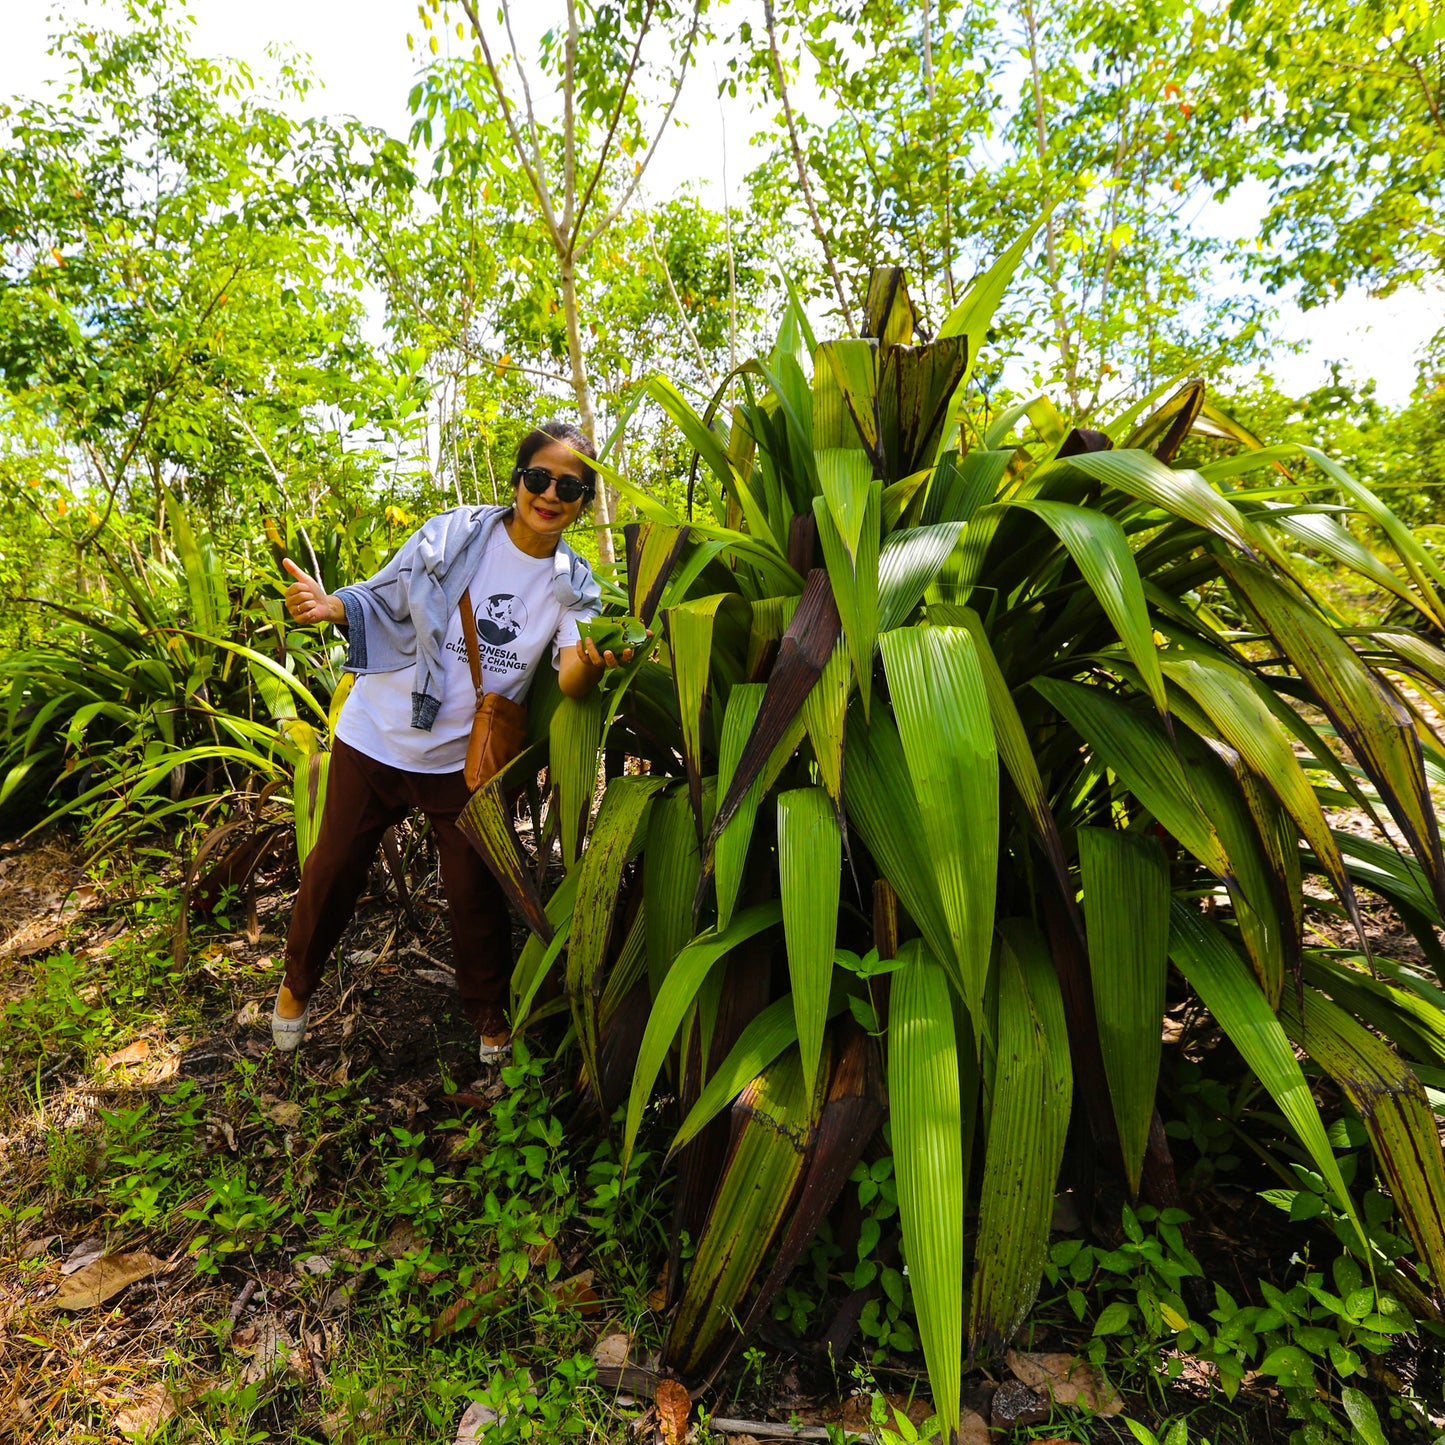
979 965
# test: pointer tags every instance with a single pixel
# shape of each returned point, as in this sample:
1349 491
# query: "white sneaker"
287 1034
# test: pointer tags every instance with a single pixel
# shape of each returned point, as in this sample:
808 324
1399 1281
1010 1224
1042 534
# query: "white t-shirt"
518 616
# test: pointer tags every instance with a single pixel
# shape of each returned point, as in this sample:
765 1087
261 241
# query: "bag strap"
469 632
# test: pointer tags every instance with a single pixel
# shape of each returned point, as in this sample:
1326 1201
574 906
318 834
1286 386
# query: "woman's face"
547 515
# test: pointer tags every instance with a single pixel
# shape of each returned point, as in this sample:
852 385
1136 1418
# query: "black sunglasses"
569 488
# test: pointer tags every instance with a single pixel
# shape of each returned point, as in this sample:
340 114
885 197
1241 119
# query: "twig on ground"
242 1300
769 1430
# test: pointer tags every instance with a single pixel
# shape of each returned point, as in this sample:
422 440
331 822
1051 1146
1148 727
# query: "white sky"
358 50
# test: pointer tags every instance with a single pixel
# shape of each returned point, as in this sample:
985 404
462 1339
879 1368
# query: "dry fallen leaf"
165 1070
271 1350
34 1248
478 1300
147 1413
361 1415
286 1114
40 944
249 1014
1068 1380
578 1293
136 1053
610 1352
673 1405
404 1238
973 1430
477 1420
104 1277
82 1255
858 1412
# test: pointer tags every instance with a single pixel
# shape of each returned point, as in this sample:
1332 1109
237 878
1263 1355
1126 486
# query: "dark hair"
555 430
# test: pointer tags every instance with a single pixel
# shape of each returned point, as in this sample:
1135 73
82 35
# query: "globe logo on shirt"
502 619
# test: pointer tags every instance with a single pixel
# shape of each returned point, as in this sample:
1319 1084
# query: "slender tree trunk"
932 90
582 388
802 167
1056 292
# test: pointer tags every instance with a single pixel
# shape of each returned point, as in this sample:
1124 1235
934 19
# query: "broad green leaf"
671 868
824 715
686 976
1424 570
941 705
1410 1020
1011 738
907 564
1028 1121
204 572
761 1041
845 372
855 585
622 816
1135 749
926 1110
963 484
776 1111
1262 880
1126 907
1326 535
810 869
883 807
731 850
1233 704
846 477
1040 411
574 739
690 627
1391 1103
974 313
308 801
1178 492
1232 994
1100 550
1367 714
1363 1415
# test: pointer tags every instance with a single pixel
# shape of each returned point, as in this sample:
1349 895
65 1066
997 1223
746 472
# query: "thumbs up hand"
308 601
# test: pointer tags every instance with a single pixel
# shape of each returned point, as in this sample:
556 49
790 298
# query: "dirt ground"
271 1351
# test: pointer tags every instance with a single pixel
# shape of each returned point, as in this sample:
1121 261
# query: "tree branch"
802 169
682 316
1056 300
569 124
616 114
646 161
280 481
533 168
118 475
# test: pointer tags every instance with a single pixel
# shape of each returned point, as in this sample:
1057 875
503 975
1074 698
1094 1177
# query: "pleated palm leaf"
990 718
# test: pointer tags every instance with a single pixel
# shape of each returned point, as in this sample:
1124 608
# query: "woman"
401 739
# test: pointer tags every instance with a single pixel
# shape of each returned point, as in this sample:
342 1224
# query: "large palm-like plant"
1011 726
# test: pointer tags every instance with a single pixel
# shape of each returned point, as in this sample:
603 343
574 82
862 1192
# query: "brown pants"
363 799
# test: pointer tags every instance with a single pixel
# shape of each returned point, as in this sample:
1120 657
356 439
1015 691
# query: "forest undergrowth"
377 1239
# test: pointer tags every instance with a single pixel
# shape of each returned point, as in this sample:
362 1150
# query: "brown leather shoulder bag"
499 726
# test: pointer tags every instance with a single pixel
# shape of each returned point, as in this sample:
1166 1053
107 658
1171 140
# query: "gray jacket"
400 617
